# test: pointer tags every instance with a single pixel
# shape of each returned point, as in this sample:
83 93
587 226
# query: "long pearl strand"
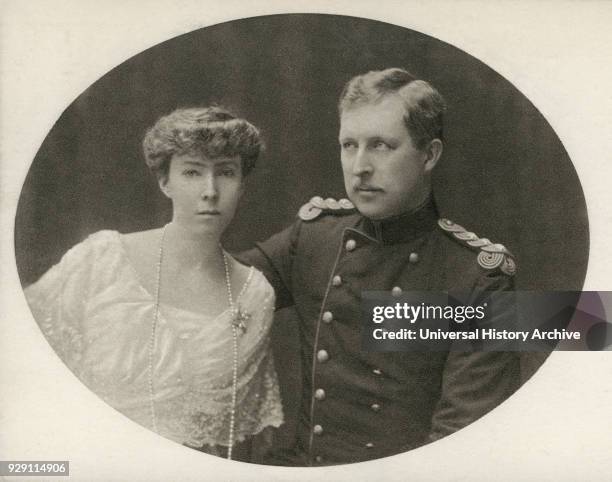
230 443
152 342
152 339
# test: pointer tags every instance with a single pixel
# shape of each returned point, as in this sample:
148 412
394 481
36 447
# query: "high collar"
405 227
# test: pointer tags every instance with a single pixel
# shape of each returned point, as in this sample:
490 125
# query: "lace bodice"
97 316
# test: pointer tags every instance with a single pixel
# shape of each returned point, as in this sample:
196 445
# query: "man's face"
384 174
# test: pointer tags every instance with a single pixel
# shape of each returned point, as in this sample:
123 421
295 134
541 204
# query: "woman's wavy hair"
210 131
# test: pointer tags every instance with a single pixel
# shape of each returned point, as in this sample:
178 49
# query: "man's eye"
228 172
380 145
348 145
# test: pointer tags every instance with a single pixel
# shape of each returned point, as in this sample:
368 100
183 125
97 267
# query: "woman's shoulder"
101 247
142 244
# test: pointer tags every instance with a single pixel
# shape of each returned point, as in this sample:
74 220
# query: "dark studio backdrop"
504 173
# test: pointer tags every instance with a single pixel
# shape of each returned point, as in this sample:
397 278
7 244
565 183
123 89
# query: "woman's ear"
163 185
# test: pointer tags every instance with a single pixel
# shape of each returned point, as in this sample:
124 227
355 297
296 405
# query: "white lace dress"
97 316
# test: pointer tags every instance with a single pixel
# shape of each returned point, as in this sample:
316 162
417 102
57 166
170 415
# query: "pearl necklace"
238 319
235 319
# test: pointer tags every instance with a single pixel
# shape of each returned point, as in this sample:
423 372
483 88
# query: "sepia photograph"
193 233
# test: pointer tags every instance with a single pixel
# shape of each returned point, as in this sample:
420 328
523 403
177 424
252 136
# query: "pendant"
239 319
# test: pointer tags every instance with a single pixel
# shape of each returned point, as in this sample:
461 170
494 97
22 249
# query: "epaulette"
317 205
491 255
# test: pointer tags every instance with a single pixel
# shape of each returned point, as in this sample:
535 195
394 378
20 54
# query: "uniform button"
375 407
369 445
322 356
413 258
351 244
318 459
328 317
396 291
337 280
319 394
376 371
317 430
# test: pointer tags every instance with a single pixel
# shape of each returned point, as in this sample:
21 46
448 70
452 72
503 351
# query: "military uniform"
359 405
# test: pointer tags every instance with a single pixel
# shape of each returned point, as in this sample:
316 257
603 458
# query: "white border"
558 427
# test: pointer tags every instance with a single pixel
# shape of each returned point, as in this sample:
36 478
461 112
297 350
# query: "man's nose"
209 188
362 164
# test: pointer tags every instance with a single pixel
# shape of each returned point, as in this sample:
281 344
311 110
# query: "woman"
163 324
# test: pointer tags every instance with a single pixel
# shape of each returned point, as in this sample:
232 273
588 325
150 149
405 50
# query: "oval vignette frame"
284 73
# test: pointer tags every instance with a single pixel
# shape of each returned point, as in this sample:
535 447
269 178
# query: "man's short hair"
424 105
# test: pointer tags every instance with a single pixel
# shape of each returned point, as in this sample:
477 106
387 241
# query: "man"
359 405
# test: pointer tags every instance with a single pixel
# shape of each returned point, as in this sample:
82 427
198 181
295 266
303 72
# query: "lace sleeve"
58 299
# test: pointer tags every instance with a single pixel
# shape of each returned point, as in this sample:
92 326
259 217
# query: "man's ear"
433 152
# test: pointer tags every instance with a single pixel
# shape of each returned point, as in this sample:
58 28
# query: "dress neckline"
130 266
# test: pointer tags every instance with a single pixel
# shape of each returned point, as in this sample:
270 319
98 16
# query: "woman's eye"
191 173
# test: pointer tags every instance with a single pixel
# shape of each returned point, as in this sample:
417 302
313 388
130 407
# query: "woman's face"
204 192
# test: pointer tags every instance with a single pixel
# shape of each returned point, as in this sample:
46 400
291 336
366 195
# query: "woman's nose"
209 187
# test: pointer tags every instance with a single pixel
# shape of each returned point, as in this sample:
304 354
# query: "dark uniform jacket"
359 405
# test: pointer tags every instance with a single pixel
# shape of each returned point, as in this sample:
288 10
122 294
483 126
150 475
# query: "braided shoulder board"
490 256
317 205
